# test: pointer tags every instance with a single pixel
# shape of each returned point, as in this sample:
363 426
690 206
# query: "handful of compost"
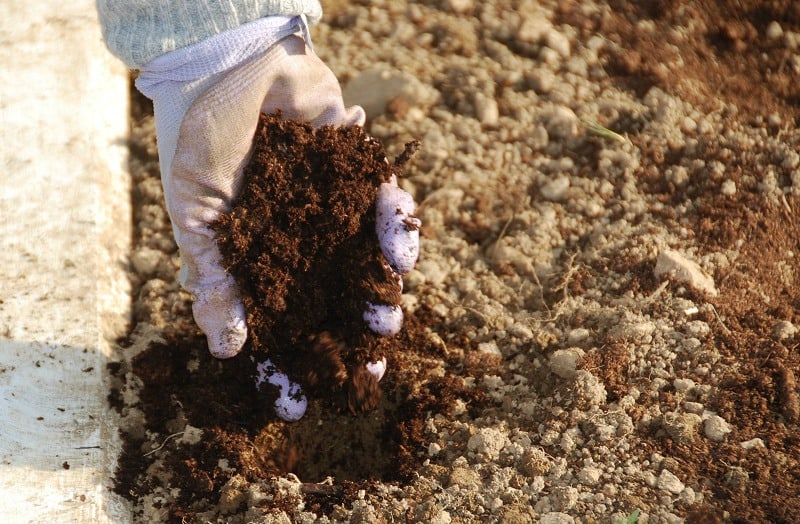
300 241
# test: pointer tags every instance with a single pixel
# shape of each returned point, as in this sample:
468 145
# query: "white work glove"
207 101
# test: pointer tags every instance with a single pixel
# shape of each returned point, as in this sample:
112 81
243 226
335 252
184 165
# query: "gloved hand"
205 127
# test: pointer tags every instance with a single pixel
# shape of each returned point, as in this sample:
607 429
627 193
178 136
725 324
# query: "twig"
178 434
660 289
501 235
716 314
786 204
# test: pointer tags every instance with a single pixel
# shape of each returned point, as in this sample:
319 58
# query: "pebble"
681 427
650 478
556 189
667 481
774 31
431 272
533 29
556 517
578 335
488 442
191 435
558 42
672 263
563 362
633 331
442 517
682 385
541 80
561 123
464 477
539 138
590 475
752 443
591 392
737 478
784 330
716 428
460 6
486 110
694 407
145 260
564 498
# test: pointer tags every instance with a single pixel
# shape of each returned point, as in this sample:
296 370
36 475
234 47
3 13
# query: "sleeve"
137 31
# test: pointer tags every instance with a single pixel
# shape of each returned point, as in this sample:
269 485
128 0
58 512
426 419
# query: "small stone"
541 80
563 362
145 260
752 443
716 428
633 331
539 138
441 517
672 263
774 31
434 449
464 477
578 335
784 330
590 475
728 188
558 42
486 110
191 435
682 385
564 498
556 189
561 123
556 517
589 391
233 494
460 6
688 496
650 478
694 407
737 478
681 427
533 29
667 481
488 442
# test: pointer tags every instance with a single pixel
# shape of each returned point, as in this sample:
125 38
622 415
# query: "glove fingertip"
384 319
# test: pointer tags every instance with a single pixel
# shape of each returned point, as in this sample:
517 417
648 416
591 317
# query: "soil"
548 369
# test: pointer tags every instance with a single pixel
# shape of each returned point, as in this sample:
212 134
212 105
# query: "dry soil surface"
603 322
